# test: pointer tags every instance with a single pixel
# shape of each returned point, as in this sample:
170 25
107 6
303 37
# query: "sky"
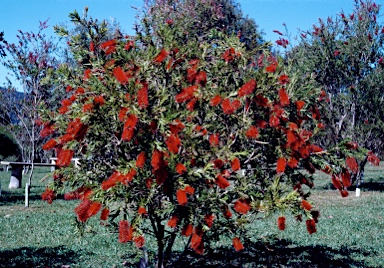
268 14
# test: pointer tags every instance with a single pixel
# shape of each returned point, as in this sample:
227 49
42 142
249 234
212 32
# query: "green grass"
349 234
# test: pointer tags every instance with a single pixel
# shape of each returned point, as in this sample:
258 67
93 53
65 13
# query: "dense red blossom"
283 79
201 78
214 139
87 107
187 230
281 223
64 158
229 54
235 164
229 107
130 44
161 56
215 100
87 74
157 161
182 197
122 113
344 193
48 195
140 160
173 221
293 162
129 127
271 68
82 210
109 46
280 165
197 240
93 209
209 218
91 46
189 189
221 181
247 88
126 178
306 205
111 181
352 164
99 100
142 96
261 100
176 127
125 231
191 105
173 143
139 241
49 144
336 182
186 94
252 132
373 159
180 168
311 226
237 244
346 178
284 98
104 214
120 75
274 121
227 212
218 163
242 206
191 75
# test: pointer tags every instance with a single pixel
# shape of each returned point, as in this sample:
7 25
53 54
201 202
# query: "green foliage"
9 149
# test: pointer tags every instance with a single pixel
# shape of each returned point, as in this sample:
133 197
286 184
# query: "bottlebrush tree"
192 138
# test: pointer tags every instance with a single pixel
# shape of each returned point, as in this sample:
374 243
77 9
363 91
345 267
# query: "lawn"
349 234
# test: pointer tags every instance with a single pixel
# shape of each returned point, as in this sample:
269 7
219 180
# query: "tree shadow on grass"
38 257
278 253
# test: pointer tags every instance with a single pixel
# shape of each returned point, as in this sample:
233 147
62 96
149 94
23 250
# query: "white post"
357 191
26 195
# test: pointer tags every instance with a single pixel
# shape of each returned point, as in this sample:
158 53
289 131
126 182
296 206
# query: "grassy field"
349 234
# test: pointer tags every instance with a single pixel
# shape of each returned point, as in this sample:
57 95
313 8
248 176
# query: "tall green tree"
344 54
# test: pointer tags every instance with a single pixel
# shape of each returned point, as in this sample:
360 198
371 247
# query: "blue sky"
268 14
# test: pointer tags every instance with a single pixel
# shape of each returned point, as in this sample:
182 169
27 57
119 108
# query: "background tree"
162 128
344 54
31 60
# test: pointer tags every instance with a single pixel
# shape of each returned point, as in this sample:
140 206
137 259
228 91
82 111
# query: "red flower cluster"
221 181
352 164
237 244
125 231
197 240
280 165
281 223
235 164
161 56
186 94
48 195
229 107
49 144
129 127
140 160
173 143
173 221
64 158
230 54
252 132
109 46
306 205
247 88
311 226
120 75
242 206
142 95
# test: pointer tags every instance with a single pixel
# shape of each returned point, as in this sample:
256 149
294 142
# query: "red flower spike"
129 127
274 121
237 244
201 78
93 209
139 241
271 68
300 105
49 144
142 96
180 168
186 94
48 195
218 163
173 221
125 231
235 164
222 182
99 100
214 140
189 189
109 46
352 164
280 165
82 210
64 158
122 113
247 88
140 160
161 56
197 240
142 211
283 79
242 206
111 181
104 214
227 213
173 143
120 75
187 230
176 127
229 54
252 133
292 163
182 197
284 98
191 105
157 161
336 182
87 74
281 223
344 193
306 205
311 226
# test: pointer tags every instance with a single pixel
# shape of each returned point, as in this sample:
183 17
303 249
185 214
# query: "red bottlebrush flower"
242 206
125 231
68 89
189 189
91 46
186 94
180 168
336 53
306 205
173 221
87 107
48 195
261 100
282 42
104 214
311 226
281 223
161 56
344 193
222 182
129 45
140 160
247 88
87 74
139 241
252 132
191 105
157 161
352 164
93 209
209 220
271 68
229 54
218 163
373 159
125 179
64 158
235 164
187 230
346 178
237 244
215 100
63 109
80 91
316 149
129 127
191 74
49 144
299 105
336 182
227 213
284 98
120 75
214 139
230 107
122 113
274 121
176 127
111 181
99 100
197 239
291 137
293 162
173 143
303 150
316 113
148 182
283 79
327 170
109 46
280 165
142 96
201 78
142 210
82 210
182 197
